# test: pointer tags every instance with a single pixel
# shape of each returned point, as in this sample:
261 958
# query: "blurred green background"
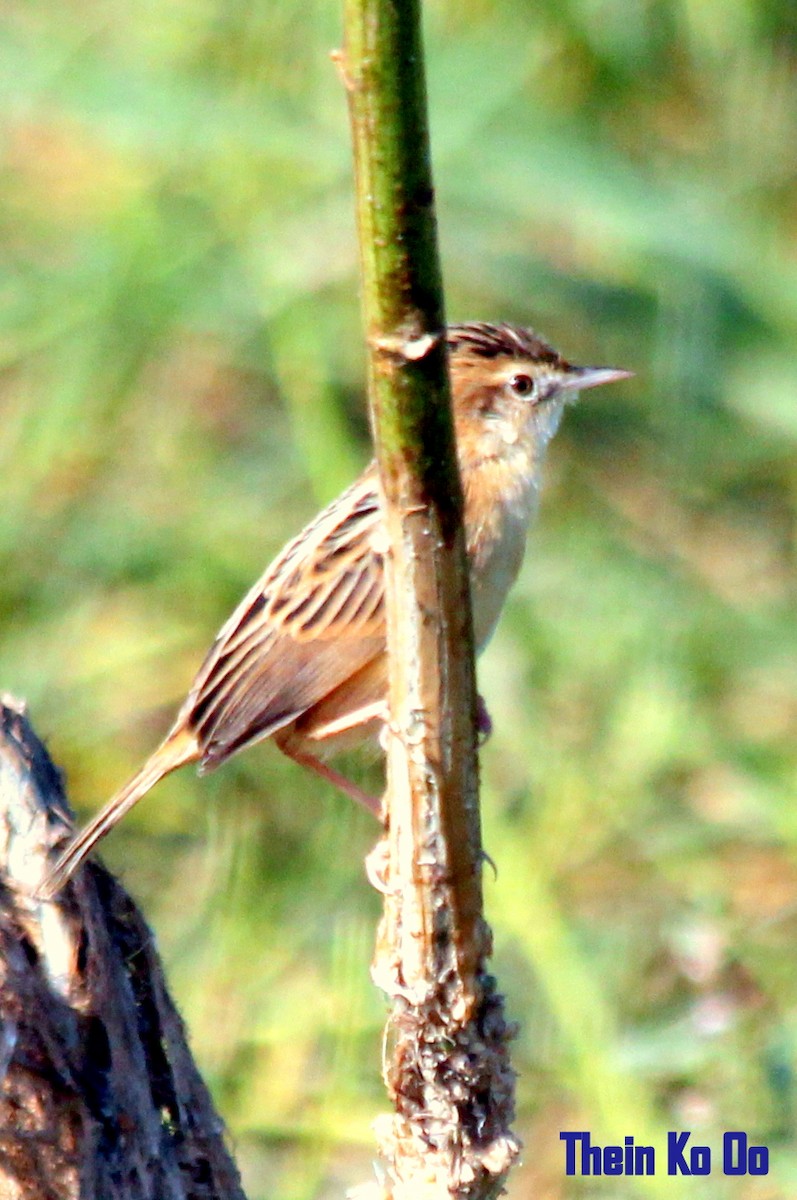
182 387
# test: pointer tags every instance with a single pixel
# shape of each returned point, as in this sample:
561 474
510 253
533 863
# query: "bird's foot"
484 723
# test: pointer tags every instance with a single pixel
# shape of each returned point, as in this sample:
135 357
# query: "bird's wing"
314 618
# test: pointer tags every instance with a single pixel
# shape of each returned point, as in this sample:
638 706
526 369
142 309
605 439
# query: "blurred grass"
181 387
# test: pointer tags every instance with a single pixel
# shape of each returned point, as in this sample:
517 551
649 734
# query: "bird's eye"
522 385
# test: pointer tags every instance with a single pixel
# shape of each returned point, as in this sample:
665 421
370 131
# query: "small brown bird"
302 659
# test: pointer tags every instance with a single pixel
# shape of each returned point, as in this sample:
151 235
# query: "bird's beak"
576 379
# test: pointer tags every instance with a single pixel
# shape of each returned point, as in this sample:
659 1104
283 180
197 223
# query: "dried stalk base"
453 1090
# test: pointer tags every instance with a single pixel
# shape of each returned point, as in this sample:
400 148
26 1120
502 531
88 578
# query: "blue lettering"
734 1153
740 1159
639 1160
699 1156
582 1157
570 1137
676 1163
700 1160
758 1160
644 1161
613 1160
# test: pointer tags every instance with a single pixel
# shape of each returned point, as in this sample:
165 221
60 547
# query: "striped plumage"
303 659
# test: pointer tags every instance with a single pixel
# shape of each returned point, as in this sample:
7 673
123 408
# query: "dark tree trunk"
100 1097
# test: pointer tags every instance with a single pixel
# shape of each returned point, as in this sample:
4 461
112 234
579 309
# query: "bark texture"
100 1097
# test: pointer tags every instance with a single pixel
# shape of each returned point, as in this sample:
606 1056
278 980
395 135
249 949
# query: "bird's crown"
484 340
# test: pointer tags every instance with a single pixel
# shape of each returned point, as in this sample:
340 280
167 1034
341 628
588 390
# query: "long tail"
180 747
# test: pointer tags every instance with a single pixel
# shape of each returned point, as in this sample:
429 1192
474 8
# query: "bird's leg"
372 803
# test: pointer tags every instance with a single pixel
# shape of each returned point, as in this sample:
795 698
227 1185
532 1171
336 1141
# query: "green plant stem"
429 626
433 942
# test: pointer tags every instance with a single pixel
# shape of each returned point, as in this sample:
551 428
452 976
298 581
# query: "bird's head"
510 388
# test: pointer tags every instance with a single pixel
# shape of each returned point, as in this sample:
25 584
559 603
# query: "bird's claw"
484 723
